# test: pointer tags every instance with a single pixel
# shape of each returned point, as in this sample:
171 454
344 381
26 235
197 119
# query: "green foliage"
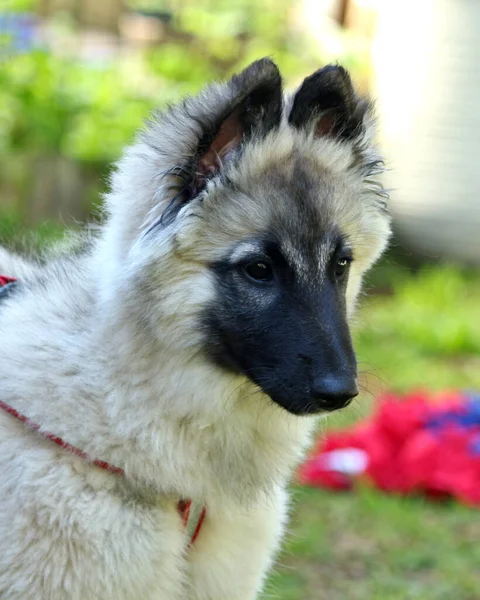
434 312
88 110
230 34
19 5
425 333
50 105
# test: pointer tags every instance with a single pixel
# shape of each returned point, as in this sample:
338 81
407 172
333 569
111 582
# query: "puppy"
159 384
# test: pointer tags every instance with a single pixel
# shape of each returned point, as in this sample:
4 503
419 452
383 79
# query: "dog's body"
186 344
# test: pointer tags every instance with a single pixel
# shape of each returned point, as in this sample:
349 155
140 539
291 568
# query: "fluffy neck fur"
128 384
96 378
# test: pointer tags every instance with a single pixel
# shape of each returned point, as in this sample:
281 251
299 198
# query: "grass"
370 546
424 333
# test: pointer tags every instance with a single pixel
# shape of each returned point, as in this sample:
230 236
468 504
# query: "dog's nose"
334 392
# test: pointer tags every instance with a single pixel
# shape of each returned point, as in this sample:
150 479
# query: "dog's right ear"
254 108
201 135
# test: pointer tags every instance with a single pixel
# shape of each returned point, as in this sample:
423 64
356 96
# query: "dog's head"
247 220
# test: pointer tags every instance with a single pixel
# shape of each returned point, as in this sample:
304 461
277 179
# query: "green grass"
366 545
371 546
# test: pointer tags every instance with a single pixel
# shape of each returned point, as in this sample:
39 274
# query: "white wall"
427 63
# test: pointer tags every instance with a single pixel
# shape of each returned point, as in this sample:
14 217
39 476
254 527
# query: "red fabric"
419 443
183 506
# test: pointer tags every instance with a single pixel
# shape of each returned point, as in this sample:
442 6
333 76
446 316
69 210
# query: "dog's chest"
84 543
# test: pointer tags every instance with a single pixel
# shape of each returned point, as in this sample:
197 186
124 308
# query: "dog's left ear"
327 105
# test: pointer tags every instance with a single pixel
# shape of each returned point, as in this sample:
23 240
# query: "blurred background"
77 77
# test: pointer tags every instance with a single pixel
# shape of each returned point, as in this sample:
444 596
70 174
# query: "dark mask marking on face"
289 337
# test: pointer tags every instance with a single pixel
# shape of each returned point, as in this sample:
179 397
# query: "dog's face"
280 317
266 219
279 314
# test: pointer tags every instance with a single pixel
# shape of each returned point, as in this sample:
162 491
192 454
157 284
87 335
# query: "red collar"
183 506
4 280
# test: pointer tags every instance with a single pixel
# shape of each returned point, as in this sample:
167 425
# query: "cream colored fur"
103 348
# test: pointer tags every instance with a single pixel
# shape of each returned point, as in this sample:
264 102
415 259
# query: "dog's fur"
153 348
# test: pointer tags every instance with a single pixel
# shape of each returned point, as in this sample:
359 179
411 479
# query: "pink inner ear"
227 139
325 125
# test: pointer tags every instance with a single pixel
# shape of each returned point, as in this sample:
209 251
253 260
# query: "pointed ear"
196 139
227 140
255 107
326 104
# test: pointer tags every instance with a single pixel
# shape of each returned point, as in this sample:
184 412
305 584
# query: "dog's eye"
259 270
341 267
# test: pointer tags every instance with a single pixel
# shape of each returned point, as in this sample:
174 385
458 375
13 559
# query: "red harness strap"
183 506
4 280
